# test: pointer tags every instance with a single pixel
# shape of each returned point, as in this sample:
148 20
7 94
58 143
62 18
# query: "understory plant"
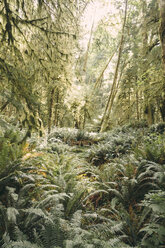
52 196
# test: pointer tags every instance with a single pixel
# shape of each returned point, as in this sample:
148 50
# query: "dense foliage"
48 78
82 131
53 193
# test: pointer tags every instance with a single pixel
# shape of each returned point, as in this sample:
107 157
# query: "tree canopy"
42 59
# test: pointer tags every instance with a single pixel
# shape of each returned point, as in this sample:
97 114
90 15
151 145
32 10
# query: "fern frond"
94 193
32 214
20 244
50 199
75 202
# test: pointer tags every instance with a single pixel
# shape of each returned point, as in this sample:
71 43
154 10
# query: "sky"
95 11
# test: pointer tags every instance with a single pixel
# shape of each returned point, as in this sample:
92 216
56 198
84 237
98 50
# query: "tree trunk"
111 97
149 110
50 110
150 115
87 52
98 81
162 39
162 30
137 105
56 116
84 120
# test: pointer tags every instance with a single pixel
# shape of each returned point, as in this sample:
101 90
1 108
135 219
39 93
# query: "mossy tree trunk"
162 39
50 109
148 105
56 111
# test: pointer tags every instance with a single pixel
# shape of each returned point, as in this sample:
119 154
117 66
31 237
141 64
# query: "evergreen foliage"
64 184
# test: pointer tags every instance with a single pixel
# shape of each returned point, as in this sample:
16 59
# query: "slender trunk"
111 97
162 111
162 30
129 103
84 117
50 110
118 81
149 110
84 120
56 109
150 115
87 52
140 109
137 105
162 39
98 81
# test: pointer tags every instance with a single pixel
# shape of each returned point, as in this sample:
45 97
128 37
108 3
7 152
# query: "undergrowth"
109 194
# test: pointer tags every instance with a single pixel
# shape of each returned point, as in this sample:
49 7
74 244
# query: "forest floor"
80 189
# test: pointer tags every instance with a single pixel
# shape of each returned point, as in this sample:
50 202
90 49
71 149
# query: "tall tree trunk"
162 30
137 105
50 110
111 97
56 116
149 110
150 115
162 39
84 120
88 46
98 81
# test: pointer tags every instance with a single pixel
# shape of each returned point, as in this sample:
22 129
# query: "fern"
21 244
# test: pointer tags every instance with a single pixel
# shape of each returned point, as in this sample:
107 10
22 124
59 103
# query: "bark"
162 110
162 40
137 105
150 116
56 115
50 110
84 120
148 102
162 30
111 97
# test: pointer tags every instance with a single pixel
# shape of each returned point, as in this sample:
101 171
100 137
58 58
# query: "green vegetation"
82 124
109 194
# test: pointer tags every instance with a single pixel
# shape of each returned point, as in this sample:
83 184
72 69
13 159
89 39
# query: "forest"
82 123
